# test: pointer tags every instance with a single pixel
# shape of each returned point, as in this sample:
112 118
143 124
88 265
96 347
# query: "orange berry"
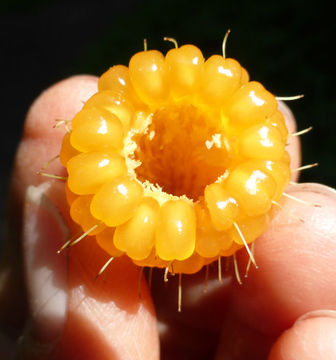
280 172
148 75
116 201
136 236
117 79
253 188
220 79
115 103
152 260
70 196
176 161
95 129
277 120
262 142
67 150
205 230
175 231
184 68
251 227
189 266
245 77
105 241
250 104
80 213
223 208
104 167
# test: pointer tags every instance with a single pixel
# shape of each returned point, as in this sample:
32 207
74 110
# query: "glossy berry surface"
177 159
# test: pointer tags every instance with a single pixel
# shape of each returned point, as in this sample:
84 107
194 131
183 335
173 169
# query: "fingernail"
44 232
317 314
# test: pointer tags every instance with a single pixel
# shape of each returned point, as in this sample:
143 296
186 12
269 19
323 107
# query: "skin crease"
106 319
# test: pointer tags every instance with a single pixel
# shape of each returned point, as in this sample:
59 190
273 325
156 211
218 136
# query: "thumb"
44 232
311 337
70 314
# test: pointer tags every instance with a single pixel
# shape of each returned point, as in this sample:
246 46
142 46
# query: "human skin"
285 309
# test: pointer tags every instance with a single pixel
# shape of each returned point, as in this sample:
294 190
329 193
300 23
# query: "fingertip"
293 147
288 116
309 338
60 101
105 318
296 257
45 271
41 141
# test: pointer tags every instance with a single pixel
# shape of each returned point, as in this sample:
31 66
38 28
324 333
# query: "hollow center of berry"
182 151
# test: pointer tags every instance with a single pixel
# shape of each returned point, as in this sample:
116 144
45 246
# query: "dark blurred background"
288 46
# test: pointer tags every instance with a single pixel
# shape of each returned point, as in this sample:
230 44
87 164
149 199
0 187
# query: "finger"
294 275
49 331
104 318
311 337
108 318
296 263
293 145
44 233
40 142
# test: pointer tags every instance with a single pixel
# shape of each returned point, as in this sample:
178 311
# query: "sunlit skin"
106 318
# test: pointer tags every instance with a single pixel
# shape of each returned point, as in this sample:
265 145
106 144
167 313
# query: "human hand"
70 314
